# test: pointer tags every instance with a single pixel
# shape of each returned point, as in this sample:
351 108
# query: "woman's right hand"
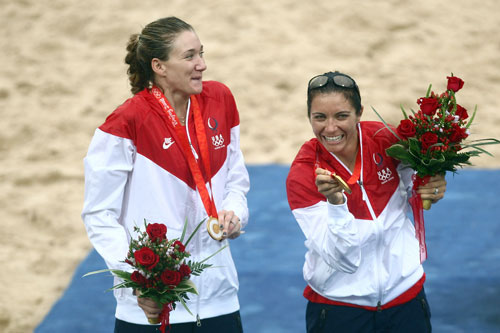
150 307
329 186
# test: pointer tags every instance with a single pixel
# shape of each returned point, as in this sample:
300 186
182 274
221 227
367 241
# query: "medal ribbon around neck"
357 169
354 177
207 200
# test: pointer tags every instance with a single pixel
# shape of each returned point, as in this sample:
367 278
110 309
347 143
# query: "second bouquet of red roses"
161 270
431 142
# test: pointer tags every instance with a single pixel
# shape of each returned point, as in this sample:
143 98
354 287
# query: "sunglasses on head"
338 79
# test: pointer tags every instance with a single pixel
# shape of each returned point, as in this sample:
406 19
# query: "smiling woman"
152 160
181 75
333 121
362 258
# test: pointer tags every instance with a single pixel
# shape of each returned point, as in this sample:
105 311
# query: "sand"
62 72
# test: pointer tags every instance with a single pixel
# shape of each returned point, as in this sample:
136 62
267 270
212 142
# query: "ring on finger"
436 191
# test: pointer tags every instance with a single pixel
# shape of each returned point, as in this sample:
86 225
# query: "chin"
333 148
197 89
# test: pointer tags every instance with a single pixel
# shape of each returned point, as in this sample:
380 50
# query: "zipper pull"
198 320
364 196
379 307
323 314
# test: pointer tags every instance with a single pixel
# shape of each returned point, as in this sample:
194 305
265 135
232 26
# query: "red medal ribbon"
207 200
357 167
418 214
165 317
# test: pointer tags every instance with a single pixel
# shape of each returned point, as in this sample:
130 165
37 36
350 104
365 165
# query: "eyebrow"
192 50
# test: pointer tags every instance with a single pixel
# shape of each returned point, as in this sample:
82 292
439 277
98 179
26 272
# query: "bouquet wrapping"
432 141
161 269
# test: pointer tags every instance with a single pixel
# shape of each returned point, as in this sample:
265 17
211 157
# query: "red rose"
146 257
185 270
180 246
138 278
171 278
156 231
428 139
454 83
458 133
461 112
406 128
428 105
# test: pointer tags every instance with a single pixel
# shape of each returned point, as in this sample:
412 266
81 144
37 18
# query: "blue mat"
463 269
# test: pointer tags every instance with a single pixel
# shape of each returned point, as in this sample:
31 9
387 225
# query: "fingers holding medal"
227 226
331 186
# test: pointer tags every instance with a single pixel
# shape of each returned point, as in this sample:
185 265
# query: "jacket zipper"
378 226
378 233
198 320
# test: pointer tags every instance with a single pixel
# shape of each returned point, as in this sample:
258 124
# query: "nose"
201 65
331 125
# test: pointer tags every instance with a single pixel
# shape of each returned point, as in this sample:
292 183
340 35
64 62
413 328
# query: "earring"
150 84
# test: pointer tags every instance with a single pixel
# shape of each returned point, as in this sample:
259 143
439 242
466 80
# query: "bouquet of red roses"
161 269
431 141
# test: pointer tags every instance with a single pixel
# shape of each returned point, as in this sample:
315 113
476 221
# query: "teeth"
333 138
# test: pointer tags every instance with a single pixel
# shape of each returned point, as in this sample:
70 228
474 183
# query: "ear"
360 113
157 66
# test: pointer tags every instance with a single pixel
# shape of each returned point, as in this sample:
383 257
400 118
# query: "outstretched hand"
329 186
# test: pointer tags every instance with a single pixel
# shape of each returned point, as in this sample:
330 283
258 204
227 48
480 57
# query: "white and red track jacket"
363 252
135 170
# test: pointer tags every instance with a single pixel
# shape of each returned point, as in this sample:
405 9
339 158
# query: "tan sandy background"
62 72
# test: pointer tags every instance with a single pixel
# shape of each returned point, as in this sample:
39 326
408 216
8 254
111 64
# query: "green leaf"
97 272
483 151
222 248
126 284
184 230
386 125
187 286
428 93
414 147
404 112
121 274
194 232
471 118
197 267
398 151
185 306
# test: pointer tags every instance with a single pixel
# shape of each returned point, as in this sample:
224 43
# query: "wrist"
336 198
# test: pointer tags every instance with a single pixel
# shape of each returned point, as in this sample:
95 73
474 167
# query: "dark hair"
351 94
154 41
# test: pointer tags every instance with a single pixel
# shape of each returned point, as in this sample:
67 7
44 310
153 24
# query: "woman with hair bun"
141 164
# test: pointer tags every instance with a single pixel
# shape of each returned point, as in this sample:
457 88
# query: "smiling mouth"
333 138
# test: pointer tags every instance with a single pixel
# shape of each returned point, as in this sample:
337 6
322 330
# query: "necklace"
182 120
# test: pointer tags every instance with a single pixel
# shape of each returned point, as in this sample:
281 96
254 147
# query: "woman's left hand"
434 189
230 224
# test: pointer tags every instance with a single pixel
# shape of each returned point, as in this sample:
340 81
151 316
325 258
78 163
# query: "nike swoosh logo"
167 143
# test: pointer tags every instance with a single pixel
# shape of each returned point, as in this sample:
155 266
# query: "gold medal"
342 183
214 229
